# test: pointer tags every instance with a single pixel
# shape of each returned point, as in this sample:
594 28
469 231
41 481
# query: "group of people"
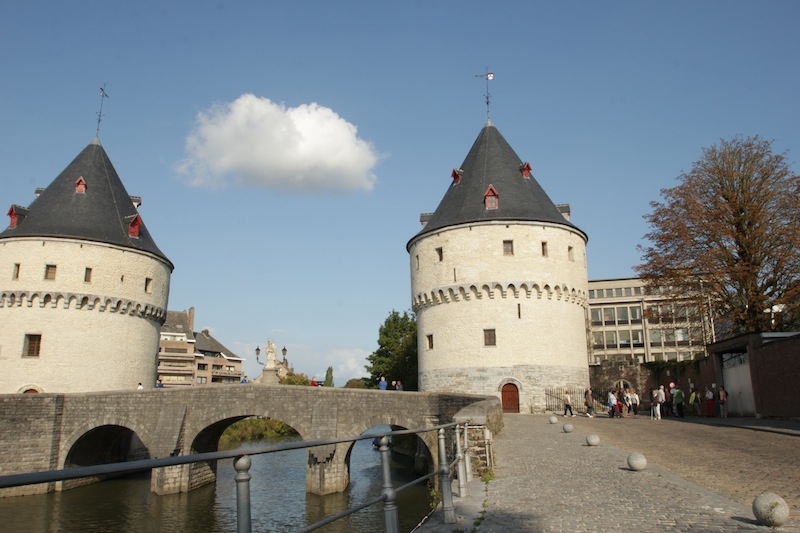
623 403
384 385
664 402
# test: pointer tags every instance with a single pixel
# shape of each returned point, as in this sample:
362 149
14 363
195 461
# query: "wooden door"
510 397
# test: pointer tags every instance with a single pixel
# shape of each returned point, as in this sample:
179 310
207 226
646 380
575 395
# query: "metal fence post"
462 471
391 521
467 456
242 465
444 480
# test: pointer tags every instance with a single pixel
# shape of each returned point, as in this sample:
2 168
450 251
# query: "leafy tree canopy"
729 234
295 379
396 356
357 383
328 377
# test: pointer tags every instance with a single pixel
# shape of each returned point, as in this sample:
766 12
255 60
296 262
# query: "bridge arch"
107 443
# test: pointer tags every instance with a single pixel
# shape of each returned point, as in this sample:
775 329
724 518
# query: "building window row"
508 249
618 315
50 272
616 292
489 339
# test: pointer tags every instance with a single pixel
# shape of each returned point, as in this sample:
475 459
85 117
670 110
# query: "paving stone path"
699 478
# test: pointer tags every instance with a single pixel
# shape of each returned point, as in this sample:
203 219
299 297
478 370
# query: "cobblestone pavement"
700 477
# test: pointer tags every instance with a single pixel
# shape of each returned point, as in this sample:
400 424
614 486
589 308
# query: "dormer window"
133 227
456 175
525 168
491 200
15 214
80 185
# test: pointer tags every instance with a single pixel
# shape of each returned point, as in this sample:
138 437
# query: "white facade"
100 334
83 286
535 303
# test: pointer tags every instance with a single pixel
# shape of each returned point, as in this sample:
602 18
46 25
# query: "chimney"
191 318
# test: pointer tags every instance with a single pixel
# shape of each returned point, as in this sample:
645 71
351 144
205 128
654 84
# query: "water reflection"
279 502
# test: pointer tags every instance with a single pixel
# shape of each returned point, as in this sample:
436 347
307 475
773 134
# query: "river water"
279 502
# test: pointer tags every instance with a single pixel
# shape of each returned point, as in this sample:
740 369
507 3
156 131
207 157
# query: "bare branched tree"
730 234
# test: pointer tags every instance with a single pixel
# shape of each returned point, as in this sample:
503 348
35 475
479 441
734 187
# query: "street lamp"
258 352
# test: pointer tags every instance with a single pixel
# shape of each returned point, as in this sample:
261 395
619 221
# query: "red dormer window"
80 185
490 198
15 215
133 227
525 168
456 175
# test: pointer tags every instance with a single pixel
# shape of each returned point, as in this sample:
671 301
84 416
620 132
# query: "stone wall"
41 431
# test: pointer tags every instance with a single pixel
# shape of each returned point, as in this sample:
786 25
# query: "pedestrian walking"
635 400
723 402
568 405
612 404
709 402
588 401
678 399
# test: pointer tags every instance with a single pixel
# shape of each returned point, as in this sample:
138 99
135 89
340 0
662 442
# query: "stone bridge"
55 431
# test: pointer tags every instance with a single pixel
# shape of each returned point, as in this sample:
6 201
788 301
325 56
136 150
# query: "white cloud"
254 141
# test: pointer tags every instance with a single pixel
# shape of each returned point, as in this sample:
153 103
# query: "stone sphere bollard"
553 419
770 509
568 428
592 440
637 461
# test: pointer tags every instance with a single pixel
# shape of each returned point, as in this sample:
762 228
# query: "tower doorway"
510 398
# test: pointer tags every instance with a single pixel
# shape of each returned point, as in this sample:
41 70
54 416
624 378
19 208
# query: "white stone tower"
499 285
83 286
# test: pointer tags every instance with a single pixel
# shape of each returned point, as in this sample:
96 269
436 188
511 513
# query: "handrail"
242 465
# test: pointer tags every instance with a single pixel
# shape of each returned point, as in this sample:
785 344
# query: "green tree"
729 234
328 377
357 383
295 379
396 356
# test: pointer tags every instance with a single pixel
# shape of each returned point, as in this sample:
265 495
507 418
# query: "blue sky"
285 150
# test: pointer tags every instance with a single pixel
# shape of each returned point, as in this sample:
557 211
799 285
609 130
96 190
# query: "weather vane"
103 96
487 76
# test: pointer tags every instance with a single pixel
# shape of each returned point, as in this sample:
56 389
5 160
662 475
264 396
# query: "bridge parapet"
52 431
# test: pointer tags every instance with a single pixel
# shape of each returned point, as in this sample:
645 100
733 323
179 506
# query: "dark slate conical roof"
492 162
103 213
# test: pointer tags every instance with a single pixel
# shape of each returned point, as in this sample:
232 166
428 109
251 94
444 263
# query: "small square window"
430 341
15 273
50 272
148 285
508 247
33 344
489 338
87 275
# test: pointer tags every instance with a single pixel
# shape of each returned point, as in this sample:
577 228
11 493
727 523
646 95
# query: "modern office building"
628 322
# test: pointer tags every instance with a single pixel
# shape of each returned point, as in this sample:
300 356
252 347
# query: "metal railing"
242 478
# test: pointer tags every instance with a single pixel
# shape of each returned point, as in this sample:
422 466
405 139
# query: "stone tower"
499 284
83 286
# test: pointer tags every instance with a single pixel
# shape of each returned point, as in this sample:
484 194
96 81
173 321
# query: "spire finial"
103 96
487 76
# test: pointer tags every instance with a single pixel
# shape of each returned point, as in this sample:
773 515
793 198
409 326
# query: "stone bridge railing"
54 431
